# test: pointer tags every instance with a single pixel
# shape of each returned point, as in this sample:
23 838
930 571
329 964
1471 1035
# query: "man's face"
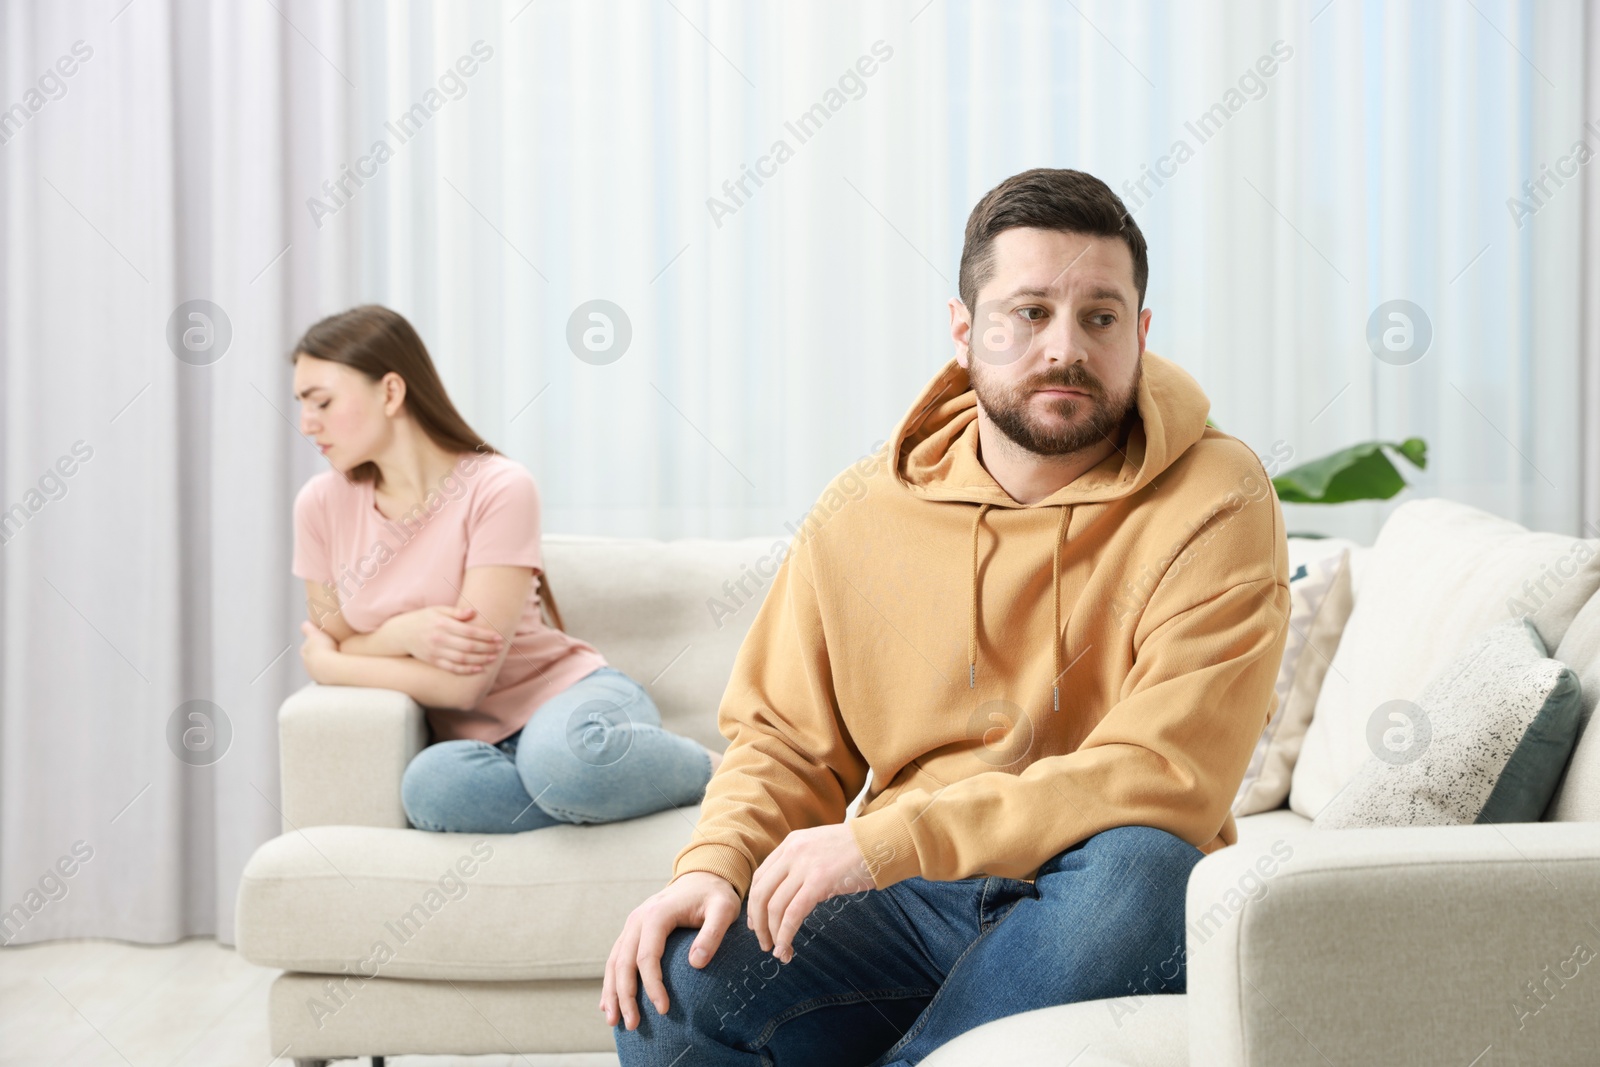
1054 347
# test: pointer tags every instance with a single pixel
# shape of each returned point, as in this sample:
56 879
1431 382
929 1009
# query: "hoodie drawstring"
1055 635
972 613
1055 592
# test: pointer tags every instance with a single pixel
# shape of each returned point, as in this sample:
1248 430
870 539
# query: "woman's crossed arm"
387 658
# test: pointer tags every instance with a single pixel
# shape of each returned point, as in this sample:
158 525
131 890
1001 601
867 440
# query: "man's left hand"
808 867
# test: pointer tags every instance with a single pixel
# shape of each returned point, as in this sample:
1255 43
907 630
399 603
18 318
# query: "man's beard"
1089 419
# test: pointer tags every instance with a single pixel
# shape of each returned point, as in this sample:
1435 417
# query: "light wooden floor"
192 1004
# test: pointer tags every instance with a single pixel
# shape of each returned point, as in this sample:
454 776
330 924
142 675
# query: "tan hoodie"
1017 677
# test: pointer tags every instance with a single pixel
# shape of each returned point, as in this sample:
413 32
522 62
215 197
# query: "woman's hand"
319 644
443 637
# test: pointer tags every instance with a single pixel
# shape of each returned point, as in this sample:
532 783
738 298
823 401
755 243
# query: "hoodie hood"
935 447
934 452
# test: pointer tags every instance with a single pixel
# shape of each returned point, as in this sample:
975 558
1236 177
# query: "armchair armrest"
1466 945
343 750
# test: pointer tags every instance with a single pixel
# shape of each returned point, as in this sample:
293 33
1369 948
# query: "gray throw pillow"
1486 742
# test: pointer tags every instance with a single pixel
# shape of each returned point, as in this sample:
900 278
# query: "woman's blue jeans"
595 752
883 977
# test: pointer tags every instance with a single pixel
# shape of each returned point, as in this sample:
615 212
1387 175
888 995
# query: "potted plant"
1360 472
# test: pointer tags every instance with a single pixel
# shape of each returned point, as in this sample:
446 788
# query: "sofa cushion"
1269 826
669 614
376 902
1304 548
1320 600
1439 574
1486 742
1142 1031
1577 798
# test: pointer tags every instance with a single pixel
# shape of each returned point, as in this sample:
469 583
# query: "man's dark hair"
1045 199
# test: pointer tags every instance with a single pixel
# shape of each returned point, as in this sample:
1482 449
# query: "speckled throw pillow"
1320 600
1485 743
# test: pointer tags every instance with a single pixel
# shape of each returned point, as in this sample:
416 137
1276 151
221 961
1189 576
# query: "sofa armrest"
1421 945
343 751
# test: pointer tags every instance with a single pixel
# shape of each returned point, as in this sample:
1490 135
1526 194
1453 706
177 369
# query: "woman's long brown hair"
374 340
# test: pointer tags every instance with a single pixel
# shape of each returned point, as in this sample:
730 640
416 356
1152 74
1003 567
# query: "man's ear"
961 331
1144 328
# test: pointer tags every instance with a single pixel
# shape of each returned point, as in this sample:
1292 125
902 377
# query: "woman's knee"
438 781
568 790
571 773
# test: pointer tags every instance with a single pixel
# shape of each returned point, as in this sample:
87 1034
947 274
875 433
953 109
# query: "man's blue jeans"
885 976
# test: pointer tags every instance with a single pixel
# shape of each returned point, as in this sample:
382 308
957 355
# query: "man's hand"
441 636
697 898
318 645
808 867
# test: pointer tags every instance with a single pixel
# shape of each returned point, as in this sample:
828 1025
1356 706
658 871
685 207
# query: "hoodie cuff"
722 860
884 837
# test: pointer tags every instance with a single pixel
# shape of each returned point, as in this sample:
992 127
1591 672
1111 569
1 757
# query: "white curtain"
157 573
1589 300
539 156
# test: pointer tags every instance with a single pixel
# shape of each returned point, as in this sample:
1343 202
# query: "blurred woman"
420 550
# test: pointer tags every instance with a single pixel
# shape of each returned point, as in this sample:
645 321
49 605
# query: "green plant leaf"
1360 472
1416 450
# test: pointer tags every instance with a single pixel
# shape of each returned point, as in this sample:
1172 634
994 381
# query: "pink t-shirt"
484 513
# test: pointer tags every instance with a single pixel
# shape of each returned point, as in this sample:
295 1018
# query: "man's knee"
1148 842
1152 849
1139 876
707 1002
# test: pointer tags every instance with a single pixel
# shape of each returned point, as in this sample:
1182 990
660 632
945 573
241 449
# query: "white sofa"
1406 946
